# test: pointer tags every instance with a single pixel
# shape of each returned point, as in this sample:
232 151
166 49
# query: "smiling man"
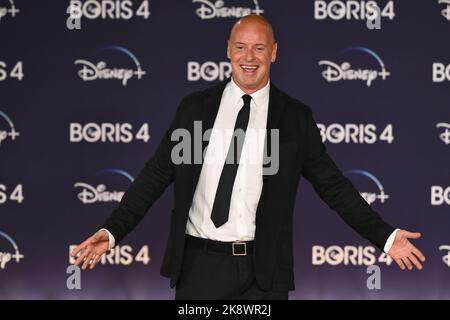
232 224
251 50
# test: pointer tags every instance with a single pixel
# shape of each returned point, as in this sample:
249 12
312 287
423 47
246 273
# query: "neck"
250 91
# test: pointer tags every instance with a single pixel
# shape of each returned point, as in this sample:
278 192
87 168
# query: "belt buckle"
234 248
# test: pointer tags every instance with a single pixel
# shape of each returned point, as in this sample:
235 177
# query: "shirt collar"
259 97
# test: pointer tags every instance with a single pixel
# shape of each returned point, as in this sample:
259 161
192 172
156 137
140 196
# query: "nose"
249 56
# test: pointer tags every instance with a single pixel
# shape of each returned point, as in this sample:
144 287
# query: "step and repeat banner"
88 88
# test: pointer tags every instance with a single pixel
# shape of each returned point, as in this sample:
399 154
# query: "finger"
77 250
87 261
91 261
412 235
96 260
407 263
415 261
83 255
400 263
419 254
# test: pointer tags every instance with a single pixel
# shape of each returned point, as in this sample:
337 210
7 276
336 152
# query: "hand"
404 252
92 249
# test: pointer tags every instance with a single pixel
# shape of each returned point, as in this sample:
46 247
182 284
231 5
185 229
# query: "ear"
228 50
274 52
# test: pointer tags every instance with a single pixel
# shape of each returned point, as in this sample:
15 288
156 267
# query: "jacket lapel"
276 107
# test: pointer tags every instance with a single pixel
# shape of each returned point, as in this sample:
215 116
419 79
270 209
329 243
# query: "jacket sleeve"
338 192
148 186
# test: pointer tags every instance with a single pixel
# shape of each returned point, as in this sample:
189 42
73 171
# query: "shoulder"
292 105
195 96
200 95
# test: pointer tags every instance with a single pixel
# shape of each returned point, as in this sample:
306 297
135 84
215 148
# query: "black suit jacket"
301 153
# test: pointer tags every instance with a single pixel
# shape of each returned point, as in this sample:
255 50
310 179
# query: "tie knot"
247 98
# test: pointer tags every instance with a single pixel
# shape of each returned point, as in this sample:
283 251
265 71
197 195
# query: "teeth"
249 67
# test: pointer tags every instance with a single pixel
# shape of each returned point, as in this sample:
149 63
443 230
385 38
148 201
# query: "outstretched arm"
148 186
341 196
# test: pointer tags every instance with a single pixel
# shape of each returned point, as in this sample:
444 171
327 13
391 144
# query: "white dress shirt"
248 183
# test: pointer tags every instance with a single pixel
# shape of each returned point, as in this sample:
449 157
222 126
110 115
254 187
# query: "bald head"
256 21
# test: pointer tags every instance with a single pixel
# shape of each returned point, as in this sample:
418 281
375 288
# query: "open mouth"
249 69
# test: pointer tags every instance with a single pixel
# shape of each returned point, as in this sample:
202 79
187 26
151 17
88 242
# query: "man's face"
251 50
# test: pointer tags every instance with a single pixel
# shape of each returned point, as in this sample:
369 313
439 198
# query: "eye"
259 49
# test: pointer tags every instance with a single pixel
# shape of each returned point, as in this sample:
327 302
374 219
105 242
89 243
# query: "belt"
235 248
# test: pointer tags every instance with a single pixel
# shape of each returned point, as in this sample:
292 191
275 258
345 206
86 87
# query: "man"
231 227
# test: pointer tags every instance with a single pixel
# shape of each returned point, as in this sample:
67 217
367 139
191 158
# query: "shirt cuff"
112 241
390 241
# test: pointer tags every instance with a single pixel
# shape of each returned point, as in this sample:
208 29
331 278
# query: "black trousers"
208 275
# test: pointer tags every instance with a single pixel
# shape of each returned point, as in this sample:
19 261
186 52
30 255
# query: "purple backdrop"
81 110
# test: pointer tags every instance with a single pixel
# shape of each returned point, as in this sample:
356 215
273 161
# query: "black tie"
221 207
